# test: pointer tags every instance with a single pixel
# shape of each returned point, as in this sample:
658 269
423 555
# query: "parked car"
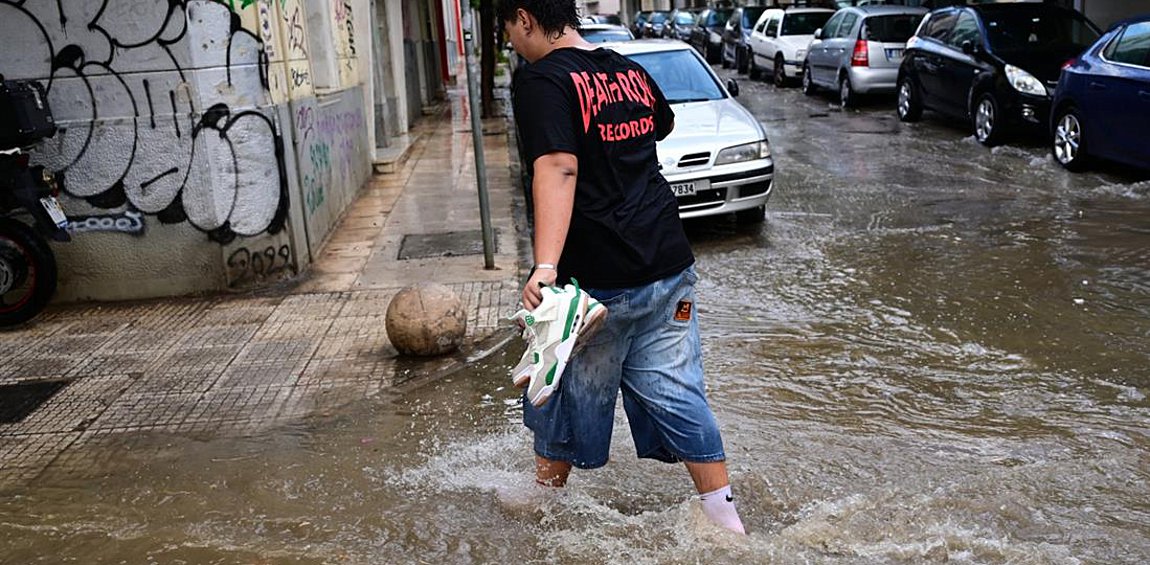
780 39
992 64
717 160
601 33
707 36
736 32
859 50
640 23
680 24
656 21
1102 103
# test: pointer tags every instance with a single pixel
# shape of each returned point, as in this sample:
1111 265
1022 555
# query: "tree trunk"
487 62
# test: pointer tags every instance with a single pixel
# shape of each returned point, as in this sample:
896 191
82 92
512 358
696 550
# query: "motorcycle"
30 213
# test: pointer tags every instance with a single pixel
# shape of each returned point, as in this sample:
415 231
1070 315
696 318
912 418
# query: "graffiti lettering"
299 77
131 223
296 42
246 265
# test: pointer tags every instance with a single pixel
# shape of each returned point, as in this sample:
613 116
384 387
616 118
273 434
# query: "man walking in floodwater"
605 216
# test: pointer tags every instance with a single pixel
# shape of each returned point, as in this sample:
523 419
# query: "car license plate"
892 54
684 188
52 207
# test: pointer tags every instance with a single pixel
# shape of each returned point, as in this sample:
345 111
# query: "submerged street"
929 352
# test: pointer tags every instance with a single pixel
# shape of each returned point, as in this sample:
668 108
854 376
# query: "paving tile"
24 457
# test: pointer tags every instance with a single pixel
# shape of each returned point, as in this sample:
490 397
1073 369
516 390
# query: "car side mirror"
819 33
969 47
733 87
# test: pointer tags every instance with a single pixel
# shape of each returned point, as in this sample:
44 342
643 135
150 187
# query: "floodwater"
930 352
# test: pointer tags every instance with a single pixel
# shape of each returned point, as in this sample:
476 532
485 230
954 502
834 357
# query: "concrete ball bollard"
426 320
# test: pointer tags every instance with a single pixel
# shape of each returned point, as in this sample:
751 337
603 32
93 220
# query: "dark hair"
553 15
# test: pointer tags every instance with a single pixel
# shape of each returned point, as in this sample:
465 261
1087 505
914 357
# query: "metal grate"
449 244
695 159
20 400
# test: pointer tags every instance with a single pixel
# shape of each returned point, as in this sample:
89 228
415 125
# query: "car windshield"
1038 30
891 29
804 24
658 17
680 75
604 35
718 17
684 18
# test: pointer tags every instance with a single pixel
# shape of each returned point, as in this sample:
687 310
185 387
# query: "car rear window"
604 35
891 29
1049 30
1133 47
684 18
680 75
804 24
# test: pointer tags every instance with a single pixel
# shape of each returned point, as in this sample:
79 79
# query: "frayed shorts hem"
716 458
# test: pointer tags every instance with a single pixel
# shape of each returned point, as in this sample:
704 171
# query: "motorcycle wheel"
27 273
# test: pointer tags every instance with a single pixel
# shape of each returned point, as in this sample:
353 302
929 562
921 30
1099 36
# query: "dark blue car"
1102 105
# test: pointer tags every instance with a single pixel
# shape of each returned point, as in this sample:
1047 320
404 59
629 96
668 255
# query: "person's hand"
533 290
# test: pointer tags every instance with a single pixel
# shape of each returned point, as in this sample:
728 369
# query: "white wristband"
544 266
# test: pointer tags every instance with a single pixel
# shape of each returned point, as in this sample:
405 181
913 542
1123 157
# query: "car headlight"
745 152
800 54
1024 82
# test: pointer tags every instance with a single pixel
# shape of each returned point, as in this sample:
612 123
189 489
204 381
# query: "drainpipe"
477 137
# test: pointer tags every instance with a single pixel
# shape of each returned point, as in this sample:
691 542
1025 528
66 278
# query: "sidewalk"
238 364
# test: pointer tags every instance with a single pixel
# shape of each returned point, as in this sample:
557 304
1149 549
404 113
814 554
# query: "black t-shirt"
607 111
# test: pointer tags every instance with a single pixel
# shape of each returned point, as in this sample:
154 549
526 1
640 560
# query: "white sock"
719 506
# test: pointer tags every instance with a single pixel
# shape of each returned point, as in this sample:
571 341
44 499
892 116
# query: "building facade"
213 144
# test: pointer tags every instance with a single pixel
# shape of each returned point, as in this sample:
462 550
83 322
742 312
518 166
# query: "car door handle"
1095 85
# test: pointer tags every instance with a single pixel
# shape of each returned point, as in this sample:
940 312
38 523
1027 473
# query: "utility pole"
477 135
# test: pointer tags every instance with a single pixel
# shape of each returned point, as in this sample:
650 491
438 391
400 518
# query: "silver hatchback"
859 50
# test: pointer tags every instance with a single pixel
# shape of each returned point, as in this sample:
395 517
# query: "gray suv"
859 50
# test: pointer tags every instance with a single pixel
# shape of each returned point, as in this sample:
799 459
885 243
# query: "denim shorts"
648 347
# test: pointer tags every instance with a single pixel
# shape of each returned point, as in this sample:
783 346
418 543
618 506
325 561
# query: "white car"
779 41
717 159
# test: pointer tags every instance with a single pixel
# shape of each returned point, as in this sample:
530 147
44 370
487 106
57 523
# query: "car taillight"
22 160
1069 62
861 56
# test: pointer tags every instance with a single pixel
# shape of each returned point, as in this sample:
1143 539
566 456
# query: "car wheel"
808 84
752 216
753 70
987 120
909 105
780 77
1069 147
847 96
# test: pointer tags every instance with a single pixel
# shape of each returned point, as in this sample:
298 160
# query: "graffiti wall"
331 137
178 115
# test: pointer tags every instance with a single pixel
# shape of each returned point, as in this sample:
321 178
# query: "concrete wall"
206 144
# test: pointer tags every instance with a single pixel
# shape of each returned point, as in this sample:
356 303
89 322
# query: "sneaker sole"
591 326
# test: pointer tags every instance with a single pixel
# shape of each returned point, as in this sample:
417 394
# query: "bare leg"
552 473
708 477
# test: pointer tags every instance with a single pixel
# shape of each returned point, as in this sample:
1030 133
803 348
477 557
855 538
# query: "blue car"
1101 107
